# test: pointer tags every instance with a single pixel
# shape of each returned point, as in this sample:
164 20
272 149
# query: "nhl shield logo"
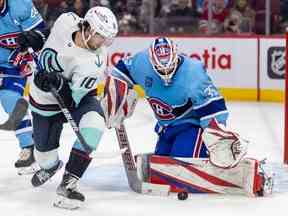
276 62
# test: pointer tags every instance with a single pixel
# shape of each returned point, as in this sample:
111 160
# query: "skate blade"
65 203
28 170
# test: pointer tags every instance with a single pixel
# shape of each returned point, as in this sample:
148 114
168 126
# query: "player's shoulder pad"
129 60
193 61
67 19
196 65
194 70
139 60
21 12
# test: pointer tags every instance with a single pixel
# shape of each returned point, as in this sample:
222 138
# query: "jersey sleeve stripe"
213 107
214 115
208 102
40 22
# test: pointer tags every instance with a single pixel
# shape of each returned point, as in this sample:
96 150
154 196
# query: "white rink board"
229 60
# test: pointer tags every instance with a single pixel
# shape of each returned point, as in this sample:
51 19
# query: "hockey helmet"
102 21
163 57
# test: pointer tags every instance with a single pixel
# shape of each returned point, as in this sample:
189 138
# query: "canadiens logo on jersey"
8 40
164 111
49 60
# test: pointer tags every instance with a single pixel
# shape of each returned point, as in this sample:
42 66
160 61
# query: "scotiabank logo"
212 58
276 62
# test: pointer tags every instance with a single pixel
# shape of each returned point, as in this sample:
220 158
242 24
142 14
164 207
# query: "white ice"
105 185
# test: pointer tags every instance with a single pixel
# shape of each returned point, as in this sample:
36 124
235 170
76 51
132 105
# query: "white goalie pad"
226 148
196 175
118 102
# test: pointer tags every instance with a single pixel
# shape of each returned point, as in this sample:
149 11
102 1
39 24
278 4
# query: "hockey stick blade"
131 171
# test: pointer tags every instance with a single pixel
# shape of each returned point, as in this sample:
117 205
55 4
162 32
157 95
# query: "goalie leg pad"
197 175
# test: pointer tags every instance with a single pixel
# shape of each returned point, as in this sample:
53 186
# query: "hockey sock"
78 162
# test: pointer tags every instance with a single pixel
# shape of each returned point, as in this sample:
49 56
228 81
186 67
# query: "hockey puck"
182 195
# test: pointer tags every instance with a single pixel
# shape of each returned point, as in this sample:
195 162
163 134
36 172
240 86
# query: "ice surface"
105 185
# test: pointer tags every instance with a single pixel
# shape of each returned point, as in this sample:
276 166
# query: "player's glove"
24 61
45 81
32 38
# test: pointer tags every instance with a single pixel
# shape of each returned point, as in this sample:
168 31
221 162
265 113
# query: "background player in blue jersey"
184 100
15 17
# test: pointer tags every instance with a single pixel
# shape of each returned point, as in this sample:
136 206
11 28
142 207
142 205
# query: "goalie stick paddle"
131 171
63 107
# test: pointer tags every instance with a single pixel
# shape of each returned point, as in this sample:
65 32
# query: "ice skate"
43 175
26 163
68 197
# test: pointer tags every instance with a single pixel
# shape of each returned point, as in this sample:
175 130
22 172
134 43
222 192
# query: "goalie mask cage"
286 102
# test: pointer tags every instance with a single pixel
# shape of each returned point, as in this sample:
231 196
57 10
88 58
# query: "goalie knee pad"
91 127
46 160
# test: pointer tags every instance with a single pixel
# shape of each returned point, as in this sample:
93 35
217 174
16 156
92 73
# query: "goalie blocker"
196 175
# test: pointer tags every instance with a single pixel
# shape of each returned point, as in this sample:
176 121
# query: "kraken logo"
49 61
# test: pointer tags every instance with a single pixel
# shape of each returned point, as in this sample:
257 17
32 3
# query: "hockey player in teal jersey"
16 17
73 61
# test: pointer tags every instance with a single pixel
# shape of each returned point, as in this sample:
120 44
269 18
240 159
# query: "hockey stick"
63 107
131 171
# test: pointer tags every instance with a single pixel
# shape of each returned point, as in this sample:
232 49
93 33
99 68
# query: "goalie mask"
103 23
164 58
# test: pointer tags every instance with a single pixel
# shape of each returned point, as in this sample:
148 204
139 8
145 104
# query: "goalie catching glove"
119 101
226 148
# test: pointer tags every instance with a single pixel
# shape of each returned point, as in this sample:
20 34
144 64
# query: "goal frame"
286 101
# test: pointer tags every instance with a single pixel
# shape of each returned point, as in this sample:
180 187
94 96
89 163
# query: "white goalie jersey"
83 68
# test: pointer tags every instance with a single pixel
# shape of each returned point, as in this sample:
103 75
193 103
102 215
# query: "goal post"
286 102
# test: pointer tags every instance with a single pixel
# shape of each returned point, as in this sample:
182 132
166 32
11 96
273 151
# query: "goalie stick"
134 182
63 107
